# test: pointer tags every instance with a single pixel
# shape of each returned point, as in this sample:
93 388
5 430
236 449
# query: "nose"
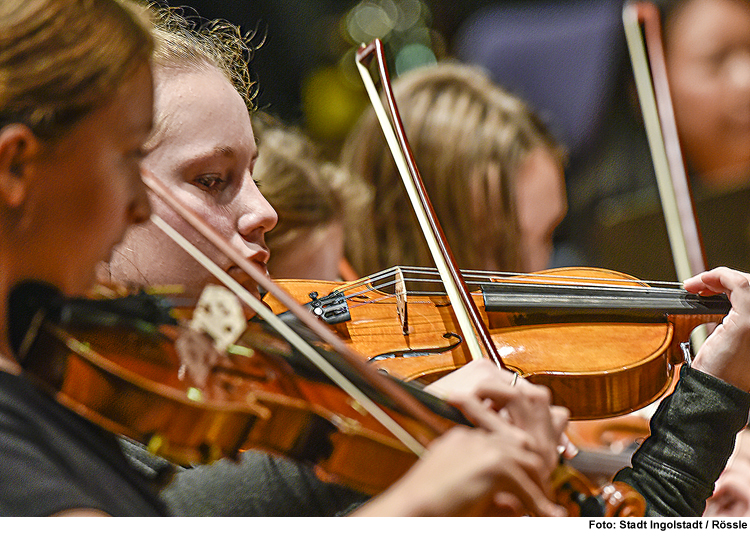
257 216
139 209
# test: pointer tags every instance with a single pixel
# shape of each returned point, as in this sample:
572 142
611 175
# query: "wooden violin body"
599 361
165 387
192 405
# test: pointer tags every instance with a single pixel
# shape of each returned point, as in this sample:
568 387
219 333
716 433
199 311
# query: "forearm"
692 437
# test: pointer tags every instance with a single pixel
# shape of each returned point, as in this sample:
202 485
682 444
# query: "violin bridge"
401 307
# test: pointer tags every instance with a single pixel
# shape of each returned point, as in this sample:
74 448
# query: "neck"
8 362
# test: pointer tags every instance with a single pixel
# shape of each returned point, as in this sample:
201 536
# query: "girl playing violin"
75 109
212 183
675 481
74 122
183 152
203 148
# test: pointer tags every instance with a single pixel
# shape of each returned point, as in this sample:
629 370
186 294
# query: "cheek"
99 202
699 99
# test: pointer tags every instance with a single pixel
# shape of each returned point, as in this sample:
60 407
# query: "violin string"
424 274
374 283
490 275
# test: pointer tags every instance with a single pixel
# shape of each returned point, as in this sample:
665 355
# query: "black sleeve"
258 484
692 436
53 460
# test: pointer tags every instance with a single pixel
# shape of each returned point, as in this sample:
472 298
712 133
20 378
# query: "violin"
129 366
605 343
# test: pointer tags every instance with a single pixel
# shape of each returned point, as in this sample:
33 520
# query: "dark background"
303 37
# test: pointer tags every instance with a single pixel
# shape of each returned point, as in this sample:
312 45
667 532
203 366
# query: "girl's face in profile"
541 205
88 190
204 150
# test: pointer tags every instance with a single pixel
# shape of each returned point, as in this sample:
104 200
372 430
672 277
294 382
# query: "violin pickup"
331 308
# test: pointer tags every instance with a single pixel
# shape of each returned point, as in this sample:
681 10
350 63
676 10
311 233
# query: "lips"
244 279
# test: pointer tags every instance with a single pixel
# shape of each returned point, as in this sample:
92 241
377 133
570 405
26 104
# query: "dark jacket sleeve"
258 484
692 436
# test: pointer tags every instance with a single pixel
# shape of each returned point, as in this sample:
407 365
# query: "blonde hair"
469 138
60 59
188 42
308 192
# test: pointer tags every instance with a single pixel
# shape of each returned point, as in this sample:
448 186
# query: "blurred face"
708 62
89 189
541 205
316 255
205 152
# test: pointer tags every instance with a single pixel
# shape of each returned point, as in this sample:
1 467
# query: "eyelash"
258 183
215 183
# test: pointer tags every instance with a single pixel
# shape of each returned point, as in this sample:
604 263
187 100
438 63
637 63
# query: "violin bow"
407 403
643 34
467 313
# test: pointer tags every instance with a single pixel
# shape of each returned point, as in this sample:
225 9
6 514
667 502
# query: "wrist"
393 503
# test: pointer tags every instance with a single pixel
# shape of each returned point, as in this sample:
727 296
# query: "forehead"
696 22
200 103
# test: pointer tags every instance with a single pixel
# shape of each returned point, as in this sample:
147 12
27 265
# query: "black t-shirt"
52 460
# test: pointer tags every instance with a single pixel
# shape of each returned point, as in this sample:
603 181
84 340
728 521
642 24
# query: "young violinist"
75 108
75 114
692 433
203 148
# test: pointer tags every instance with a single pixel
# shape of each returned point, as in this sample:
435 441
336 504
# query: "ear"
18 146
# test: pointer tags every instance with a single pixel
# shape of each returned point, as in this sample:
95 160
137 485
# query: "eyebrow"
229 151
214 152
224 150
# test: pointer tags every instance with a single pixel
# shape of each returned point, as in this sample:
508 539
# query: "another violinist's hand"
472 472
524 404
731 497
726 352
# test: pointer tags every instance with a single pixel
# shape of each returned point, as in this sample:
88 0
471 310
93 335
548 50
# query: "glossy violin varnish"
610 351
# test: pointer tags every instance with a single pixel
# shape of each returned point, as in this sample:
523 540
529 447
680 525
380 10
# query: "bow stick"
467 313
661 129
402 399
644 38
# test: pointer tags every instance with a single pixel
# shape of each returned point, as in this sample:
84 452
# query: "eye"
258 183
210 182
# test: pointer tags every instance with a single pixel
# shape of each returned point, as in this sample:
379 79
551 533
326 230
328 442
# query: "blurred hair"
469 138
60 59
307 191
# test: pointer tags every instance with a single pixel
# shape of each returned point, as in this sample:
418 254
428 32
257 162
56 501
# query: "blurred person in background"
493 172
